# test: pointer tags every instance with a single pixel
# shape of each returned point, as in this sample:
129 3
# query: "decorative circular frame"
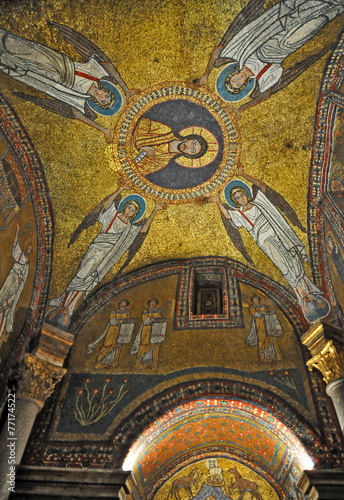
123 142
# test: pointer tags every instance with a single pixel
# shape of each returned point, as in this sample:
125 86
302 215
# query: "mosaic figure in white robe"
269 229
260 42
116 236
13 285
71 84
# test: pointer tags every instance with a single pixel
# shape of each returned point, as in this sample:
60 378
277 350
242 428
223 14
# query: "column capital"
326 356
38 379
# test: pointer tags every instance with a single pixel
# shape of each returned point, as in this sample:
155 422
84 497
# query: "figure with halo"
256 44
120 232
216 473
151 334
78 90
157 144
257 212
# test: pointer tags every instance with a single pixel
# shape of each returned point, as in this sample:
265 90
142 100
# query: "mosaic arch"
121 407
187 437
142 348
182 268
26 209
326 182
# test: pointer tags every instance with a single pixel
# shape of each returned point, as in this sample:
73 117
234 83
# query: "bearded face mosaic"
171 206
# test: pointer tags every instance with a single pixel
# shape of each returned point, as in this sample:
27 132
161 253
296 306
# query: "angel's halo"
233 184
224 93
139 200
115 108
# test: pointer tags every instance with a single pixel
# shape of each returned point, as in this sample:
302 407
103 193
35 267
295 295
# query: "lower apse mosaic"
217 478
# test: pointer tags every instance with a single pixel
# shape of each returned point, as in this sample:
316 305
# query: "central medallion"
175 143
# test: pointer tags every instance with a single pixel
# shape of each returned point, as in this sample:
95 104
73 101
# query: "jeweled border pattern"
110 454
158 93
33 172
319 203
184 319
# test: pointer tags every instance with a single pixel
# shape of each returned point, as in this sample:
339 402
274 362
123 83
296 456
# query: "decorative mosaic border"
231 318
320 203
278 293
110 454
249 412
21 185
165 92
33 173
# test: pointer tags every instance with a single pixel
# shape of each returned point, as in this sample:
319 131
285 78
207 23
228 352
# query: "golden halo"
115 303
329 233
160 298
208 157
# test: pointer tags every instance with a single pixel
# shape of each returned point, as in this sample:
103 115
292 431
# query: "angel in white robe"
71 84
117 235
260 42
13 285
269 229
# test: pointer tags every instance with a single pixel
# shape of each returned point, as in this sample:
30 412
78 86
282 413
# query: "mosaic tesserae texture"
171 226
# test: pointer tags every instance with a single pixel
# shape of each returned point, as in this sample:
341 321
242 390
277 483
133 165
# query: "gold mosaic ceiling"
151 42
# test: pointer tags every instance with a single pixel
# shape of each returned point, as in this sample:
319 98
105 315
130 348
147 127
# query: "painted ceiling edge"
284 298
319 202
33 173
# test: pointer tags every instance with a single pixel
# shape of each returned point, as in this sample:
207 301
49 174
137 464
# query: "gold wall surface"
160 48
151 43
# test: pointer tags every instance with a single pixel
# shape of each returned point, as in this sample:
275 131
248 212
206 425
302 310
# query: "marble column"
327 484
335 390
322 341
37 380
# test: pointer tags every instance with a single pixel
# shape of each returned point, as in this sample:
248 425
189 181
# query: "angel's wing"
290 74
248 14
235 236
81 44
55 106
281 203
134 248
90 219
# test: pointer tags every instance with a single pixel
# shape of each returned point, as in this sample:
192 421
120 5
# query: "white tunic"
277 33
278 241
47 70
104 252
12 287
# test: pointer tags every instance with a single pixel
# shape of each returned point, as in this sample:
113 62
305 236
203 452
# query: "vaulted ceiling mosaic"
171 200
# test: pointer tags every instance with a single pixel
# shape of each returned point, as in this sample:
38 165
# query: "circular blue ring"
223 92
115 108
232 185
139 200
